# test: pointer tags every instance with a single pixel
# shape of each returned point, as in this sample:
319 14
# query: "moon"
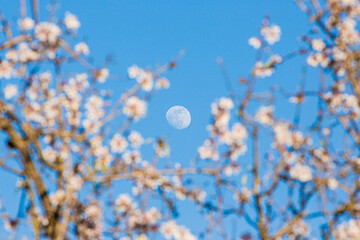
178 117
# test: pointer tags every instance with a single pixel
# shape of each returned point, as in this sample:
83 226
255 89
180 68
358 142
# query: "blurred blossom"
102 75
118 144
132 157
6 69
264 115
134 71
135 108
255 42
271 33
10 91
47 32
162 83
125 203
301 172
135 139
82 48
74 183
71 21
26 24
318 45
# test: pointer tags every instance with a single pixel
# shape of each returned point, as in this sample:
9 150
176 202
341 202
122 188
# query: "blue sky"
149 33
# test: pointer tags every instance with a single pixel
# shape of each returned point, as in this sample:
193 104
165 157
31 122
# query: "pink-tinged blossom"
255 42
12 55
183 233
231 169
180 194
221 114
146 80
51 111
271 33
238 132
57 197
152 216
161 148
282 133
10 91
171 230
91 127
244 196
32 112
135 108
132 157
275 59
125 203
322 155
26 54
26 24
102 75
82 81
298 99
326 131
236 150
82 48
225 136
234 139
94 108
90 226
349 2
301 172
47 32
348 230
71 90
168 229
7 225
6 69
264 115
221 122
332 183
317 59
198 195
162 83
74 183
49 154
298 140
71 21
141 237
104 158
338 54
118 144
226 103
134 71
32 92
318 45
262 70
45 79
96 142
348 32
93 211
208 151
125 238
299 230
135 139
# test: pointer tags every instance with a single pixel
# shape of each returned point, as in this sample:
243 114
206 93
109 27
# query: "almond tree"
70 144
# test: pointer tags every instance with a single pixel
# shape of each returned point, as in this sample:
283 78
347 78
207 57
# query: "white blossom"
271 33
10 91
71 21
47 32
135 108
